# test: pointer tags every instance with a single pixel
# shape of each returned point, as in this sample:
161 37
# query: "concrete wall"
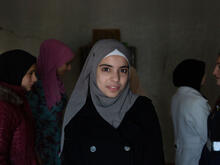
164 33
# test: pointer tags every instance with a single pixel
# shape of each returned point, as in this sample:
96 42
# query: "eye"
68 63
32 73
105 69
124 70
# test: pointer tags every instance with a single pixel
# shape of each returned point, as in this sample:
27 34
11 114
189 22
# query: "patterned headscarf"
53 54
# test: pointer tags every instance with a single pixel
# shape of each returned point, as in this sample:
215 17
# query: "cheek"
124 80
24 82
98 76
216 71
100 80
61 69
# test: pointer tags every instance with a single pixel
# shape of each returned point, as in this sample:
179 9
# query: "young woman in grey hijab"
105 123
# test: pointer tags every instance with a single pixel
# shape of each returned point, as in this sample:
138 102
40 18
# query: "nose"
34 78
69 67
116 76
215 70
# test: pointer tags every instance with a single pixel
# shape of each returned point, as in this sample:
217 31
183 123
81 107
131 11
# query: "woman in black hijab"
17 75
189 110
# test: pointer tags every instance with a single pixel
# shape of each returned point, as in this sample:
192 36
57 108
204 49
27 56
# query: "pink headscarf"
53 54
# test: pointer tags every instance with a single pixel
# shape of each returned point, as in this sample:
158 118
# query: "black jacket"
209 155
90 140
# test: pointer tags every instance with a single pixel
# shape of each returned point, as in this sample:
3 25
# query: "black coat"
209 156
90 140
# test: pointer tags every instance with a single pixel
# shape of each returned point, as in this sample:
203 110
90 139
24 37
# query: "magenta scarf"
53 54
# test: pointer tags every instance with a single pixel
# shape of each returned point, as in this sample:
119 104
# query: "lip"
113 88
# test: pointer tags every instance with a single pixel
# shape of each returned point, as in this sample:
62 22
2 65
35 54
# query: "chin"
28 89
112 95
218 82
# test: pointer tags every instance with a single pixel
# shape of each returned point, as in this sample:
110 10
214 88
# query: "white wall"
164 33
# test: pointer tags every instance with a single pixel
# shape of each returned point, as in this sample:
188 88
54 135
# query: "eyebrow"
105 65
33 70
69 62
124 66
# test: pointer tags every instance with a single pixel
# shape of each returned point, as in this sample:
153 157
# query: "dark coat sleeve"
7 124
153 147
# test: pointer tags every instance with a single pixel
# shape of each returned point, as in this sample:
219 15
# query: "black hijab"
14 64
189 73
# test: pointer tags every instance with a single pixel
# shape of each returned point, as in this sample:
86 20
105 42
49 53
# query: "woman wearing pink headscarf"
48 99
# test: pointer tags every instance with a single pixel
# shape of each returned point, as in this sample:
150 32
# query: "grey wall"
164 33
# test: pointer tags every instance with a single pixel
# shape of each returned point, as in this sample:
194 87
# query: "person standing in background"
211 151
17 75
189 110
48 99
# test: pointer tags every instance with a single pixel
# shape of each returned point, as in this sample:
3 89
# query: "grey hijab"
111 110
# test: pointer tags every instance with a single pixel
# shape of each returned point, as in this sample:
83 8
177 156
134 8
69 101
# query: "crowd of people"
107 119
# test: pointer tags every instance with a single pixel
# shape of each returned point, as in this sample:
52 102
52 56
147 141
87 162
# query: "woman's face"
112 75
29 78
65 67
216 71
